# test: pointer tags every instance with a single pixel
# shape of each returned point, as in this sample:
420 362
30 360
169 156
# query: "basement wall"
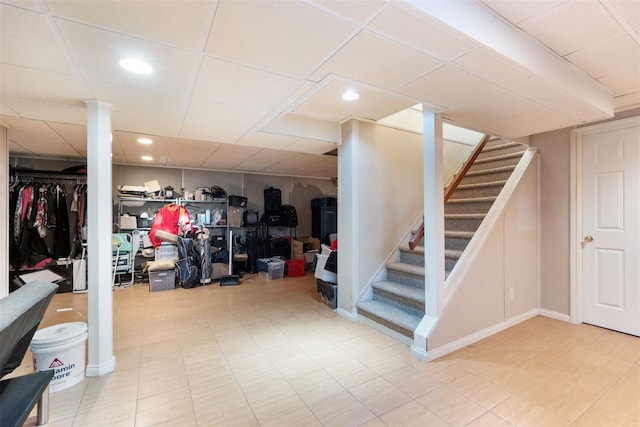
555 224
296 191
381 188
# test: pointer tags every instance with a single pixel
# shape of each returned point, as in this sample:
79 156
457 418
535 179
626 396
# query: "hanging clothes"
173 219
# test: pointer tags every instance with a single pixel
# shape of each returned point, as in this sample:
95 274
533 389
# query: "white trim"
103 369
351 315
554 315
575 221
608 126
477 336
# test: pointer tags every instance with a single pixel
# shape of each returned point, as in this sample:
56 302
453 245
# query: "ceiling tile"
529 122
418 33
266 140
572 26
75 135
229 83
623 83
448 87
27 39
311 146
291 38
184 23
40 86
140 102
488 66
629 10
228 156
517 11
216 122
72 112
98 53
189 153
385 106
610 57
263 160
373 59
327 104
357 11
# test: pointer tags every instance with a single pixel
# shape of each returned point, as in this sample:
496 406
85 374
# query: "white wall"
381 188
554 150
507 259
296 191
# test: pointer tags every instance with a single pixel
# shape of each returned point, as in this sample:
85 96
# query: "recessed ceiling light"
146 141
147 158
136 66
350 95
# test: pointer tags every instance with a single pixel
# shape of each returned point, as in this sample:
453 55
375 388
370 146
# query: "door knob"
588 239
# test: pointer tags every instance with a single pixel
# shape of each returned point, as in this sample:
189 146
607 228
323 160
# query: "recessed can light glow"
350 95
147 158
146 141
136 66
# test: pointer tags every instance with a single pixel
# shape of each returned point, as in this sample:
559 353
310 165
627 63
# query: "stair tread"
402 267
501 146
482 184
452 253
500 157
459 234
417 249
405 291
465 216
473 200
491 170
390 313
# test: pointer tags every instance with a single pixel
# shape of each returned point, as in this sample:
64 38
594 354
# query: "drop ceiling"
255 85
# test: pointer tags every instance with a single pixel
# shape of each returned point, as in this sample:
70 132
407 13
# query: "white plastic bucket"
61 348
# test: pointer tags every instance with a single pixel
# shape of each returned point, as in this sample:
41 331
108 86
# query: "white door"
611 230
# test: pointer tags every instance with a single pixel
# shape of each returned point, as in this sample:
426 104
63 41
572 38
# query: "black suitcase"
271 219
257 248
289 216
272 200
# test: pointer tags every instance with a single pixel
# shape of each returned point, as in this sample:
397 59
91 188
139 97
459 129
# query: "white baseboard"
477 336
100 370
554 315
346 313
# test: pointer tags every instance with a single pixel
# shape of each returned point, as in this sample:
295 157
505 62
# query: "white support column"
99 222
433 213
4 212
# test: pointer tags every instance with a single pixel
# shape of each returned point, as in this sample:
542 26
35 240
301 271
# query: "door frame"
575 214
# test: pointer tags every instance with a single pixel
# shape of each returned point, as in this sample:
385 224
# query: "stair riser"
467 208
405 279
486 177
386 323
462 224
456 243
495 164
470 193
414 307
413 258
500 151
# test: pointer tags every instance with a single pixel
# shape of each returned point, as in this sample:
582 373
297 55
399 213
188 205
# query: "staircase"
398 302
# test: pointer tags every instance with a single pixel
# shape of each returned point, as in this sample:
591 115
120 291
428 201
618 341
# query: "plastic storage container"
295 267
166 251
323 274
162 280
271 268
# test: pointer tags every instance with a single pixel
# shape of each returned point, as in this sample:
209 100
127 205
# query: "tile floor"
270 353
